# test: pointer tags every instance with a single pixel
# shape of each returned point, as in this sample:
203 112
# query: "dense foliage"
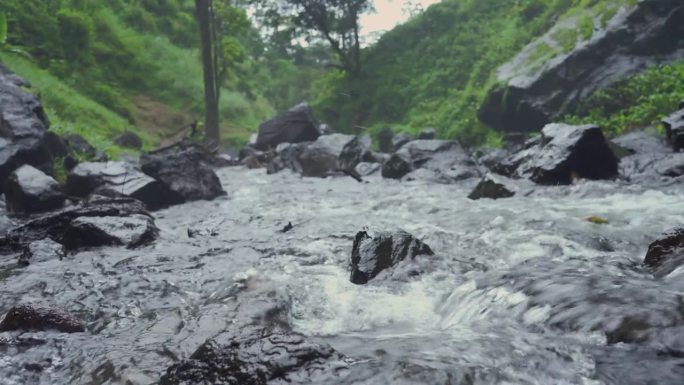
636 102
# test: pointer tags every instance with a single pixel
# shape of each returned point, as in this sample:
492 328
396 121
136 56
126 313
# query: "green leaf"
3 29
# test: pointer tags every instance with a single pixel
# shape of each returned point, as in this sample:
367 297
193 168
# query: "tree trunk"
204 20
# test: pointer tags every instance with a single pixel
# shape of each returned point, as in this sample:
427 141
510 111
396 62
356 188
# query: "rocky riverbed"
523 290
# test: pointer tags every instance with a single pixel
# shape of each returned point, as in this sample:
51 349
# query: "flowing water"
521 291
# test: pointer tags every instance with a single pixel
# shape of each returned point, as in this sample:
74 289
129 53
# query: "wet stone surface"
522 290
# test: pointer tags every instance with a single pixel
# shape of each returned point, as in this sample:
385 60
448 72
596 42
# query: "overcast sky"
389 13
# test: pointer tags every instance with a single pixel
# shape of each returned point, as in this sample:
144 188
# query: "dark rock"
371 255
123 178
427 134
33 318
674 130
492 156
252 158
24 138
183 172
444 161
671 166
80 146
356 151
492 187
681 105
29 190
561 154
641 142
294 126
399 140
397 166
287 157
129 139
287 227
385 142
667 253
651 159
254 356
99 222
537 90
321 158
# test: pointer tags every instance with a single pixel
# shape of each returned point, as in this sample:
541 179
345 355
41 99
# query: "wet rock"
131 231
252 158
674 130
293 126
29 190
532 93
254 356
427 134
637 142
385 137
366 169
99 222
651 160
78 145
129 139
399 140
444 161
124 178
371 255
287 158
182 171
41 251
397 166
492 187
24 138
356 151
561 154
34 318
322 157
667 253
492 156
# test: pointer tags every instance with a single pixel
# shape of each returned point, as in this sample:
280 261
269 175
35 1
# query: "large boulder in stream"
444 161
674 129
29 190
35 318
99 222
125 178
546 79
666 253
321 157
357 150
372 255
253 356
182 170
24 138
293 126
561 154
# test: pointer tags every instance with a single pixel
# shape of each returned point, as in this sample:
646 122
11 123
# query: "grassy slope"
435 70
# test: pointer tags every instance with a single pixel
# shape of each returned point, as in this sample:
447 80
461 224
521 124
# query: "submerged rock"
124 178
183 171
253 356
34 318
99 222
293 126
561 154
533 90
29 190
674 130
667 253
492 187
371 255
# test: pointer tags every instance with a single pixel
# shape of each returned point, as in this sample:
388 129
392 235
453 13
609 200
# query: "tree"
334 21
205 20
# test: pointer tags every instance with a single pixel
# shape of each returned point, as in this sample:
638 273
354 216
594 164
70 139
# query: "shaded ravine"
520 291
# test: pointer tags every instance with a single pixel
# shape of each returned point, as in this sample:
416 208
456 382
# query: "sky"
389 13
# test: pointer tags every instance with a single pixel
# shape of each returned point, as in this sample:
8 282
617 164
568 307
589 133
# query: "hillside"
436 69
103 67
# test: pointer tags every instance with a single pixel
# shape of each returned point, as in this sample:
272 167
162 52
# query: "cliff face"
580 55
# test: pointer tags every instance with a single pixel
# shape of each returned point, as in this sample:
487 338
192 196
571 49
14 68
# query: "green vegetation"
637 102
435 70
